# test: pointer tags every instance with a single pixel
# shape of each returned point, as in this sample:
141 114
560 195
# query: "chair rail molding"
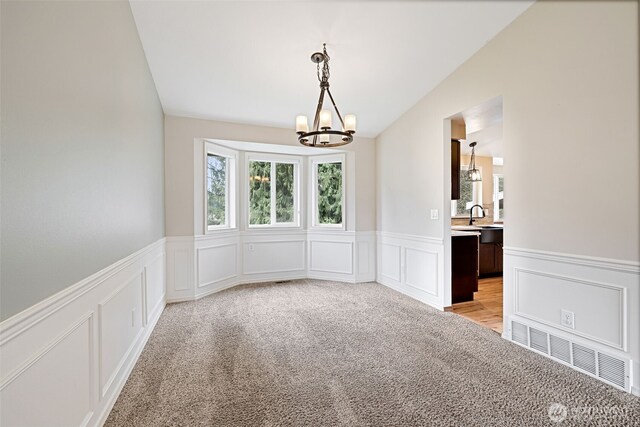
57 356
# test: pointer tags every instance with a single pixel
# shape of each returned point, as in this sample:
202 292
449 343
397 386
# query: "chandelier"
474 173
322 133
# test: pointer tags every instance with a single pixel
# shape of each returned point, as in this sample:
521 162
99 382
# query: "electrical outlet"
434 213
567 319
251 247
133 317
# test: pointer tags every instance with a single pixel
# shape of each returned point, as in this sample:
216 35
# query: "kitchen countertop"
475 227
460 233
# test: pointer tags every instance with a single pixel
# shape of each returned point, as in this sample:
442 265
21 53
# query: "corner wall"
568 75
83 266
82 146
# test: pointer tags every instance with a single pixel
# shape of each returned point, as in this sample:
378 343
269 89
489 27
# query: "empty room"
319 213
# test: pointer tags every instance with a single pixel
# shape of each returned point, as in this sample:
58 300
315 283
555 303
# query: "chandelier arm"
335 107
316 119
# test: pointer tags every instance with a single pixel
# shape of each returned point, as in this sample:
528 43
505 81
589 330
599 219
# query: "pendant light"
321 133
474 173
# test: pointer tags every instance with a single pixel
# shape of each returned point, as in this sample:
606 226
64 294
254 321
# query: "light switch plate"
567 319
434 213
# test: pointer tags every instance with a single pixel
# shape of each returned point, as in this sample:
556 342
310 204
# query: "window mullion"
273 193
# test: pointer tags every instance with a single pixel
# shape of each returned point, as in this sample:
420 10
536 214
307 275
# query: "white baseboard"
126 370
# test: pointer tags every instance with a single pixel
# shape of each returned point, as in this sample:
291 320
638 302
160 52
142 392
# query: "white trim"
622 324
583 260
413 237
14 374
27 318
231 186
104 388
313 169
128 367
412 285
205 248
341 242
274 159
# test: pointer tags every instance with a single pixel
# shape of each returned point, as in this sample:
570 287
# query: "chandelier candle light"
320 135
474 173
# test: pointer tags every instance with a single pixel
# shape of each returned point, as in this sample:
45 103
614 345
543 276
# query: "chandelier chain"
325 66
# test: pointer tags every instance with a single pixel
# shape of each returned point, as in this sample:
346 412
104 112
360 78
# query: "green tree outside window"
329 197
216 190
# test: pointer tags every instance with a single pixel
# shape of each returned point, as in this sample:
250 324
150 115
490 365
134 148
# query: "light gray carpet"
317 353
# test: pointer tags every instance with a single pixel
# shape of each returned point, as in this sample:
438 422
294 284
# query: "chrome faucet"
471 213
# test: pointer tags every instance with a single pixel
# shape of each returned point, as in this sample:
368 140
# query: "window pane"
216 189
284 192
329 193
259 193
500 197
466 194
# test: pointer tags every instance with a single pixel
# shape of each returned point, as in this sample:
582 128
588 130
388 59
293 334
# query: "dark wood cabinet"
464 267
490 259
487 259
455 169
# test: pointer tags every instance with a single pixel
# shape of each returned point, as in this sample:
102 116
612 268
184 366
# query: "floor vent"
560 348
584 358
519 333
611 369
538 340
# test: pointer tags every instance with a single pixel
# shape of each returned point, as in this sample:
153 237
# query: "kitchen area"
477 215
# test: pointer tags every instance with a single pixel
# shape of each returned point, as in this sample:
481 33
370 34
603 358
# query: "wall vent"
538 340
584 358
519 333
610 369
560 348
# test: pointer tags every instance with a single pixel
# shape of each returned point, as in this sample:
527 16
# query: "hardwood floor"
486 307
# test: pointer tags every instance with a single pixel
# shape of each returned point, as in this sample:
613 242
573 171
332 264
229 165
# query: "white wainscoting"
201 265
603 294
65 359
413 265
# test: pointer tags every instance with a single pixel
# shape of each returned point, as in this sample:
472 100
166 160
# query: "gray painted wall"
82 146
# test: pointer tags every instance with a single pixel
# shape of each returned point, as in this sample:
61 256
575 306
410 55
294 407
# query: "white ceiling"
484 125
248 61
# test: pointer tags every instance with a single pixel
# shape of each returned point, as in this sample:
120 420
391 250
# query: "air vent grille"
538 340
560 348
584 358
611 369
519 333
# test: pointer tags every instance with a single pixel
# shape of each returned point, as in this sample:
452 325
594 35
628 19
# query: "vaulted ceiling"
248 61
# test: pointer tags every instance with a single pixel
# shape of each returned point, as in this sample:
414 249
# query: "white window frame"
496 197
315 161
230 187
273 159
477 197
